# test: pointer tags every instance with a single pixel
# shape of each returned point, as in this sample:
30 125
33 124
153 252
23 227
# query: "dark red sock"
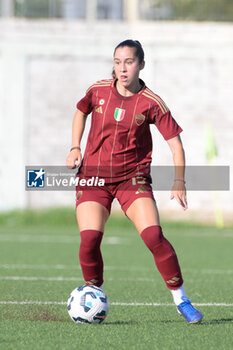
164 256
90 257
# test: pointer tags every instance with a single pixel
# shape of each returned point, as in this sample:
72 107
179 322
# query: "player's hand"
74 159
179 193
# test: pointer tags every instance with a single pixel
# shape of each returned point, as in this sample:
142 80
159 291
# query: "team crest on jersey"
140 118
101 102
119 114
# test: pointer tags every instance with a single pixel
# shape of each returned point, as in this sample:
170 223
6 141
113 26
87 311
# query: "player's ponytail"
113 74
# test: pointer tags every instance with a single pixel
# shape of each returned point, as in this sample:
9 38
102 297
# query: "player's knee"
152 237
91 239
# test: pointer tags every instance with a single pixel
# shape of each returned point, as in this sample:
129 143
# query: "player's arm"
74 158
178 189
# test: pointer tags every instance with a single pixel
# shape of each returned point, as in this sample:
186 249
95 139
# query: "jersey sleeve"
165 123
167 126
85 104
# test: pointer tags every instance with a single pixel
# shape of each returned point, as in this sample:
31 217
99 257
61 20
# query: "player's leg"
91 216
93 208
138 203
143 213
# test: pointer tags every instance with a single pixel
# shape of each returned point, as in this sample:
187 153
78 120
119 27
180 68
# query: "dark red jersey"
119 144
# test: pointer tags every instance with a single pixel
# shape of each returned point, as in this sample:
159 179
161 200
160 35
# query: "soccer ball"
88 304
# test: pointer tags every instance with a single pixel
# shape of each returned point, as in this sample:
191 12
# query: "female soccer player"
119 150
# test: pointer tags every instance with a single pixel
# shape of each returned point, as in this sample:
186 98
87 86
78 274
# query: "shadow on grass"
217 321
44 315
119 323
47 315
220 321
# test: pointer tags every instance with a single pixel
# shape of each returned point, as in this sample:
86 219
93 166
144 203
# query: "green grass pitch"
39 268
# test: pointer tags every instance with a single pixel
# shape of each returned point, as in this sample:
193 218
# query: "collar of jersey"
115 91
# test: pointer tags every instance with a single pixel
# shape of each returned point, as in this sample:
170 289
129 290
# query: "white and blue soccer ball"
88 304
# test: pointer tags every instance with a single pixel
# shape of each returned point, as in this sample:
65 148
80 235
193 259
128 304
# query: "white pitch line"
164 304
66 267
56 239
39 267
218 272
2 302
25 278
61 279
118 268
30 302
38 239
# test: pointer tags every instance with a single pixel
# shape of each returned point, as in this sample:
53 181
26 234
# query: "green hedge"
195 10
203 10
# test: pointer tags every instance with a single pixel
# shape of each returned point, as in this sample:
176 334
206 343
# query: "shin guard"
164 256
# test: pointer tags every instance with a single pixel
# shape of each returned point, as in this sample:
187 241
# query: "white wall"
46 66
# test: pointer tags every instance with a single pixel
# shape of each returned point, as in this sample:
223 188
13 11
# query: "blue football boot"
189 312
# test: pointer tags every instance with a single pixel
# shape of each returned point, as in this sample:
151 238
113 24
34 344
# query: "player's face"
126 66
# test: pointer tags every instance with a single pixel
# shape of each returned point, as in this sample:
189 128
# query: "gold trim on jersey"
148 93
103 121
131 126
101 83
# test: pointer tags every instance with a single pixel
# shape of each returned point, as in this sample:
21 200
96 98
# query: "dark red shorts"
126 192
